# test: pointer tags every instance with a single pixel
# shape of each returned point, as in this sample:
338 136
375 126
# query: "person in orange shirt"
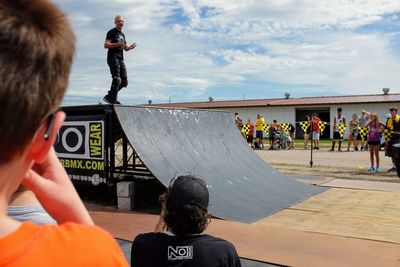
37 46
315 130
250 134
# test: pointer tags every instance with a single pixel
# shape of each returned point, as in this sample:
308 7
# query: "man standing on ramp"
116 44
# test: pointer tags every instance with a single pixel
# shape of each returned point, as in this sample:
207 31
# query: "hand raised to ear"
55 191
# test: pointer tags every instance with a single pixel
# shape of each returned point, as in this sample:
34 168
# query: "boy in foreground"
36 51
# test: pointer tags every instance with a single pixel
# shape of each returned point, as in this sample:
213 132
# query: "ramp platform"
207 143
171 142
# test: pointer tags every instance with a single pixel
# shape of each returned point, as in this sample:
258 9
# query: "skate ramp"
207 143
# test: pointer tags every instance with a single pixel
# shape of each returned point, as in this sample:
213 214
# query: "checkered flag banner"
285 126
387 134
341 128
363 132
321 125
246 129
266 128
304 126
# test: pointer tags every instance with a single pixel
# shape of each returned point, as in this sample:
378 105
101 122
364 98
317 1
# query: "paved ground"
338 165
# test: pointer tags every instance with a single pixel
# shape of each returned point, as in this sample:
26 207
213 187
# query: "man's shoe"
377 169
371 169
108 99
393 169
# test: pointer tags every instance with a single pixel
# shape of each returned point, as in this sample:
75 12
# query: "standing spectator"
374 141
337 121
260 123
353 134
363 120
239 124
315 130
178 239
393 124
250 134
292 131
306 136
273 130
238 121
276 125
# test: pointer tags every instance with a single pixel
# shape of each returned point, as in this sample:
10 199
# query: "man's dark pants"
119 76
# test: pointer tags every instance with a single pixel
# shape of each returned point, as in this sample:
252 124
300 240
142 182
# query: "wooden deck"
340 227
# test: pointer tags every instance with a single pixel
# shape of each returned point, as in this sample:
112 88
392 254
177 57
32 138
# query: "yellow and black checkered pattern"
304 125
341 128
363 131
266 128
321 125
285 126
387 133
246 129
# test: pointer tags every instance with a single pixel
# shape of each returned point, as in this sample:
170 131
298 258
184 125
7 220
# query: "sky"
241 49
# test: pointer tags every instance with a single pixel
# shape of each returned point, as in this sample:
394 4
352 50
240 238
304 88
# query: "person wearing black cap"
179 240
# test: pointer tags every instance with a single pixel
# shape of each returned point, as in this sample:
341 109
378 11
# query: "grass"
323 143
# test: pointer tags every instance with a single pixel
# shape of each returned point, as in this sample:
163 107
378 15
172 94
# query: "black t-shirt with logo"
163 250
115 36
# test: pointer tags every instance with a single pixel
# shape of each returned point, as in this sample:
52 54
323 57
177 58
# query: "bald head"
119 22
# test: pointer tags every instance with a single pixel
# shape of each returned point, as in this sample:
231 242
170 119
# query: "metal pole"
311 132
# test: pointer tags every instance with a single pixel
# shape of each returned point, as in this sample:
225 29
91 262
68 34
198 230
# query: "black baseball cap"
187 189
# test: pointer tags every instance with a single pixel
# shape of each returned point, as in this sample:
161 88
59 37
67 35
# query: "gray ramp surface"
207 143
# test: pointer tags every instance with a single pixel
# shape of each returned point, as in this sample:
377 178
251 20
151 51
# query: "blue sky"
190 50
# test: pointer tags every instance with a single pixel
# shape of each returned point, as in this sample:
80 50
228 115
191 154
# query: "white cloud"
187 47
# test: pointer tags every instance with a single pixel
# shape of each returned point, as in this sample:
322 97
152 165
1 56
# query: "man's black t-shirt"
163 250
115 36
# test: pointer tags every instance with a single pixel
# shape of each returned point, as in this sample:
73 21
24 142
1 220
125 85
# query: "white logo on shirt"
121 38
180 253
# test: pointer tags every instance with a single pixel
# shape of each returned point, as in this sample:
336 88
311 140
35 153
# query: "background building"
294 110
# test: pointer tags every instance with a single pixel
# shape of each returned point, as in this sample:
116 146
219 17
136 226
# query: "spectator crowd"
365 133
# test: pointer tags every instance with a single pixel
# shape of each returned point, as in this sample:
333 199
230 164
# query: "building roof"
301 101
